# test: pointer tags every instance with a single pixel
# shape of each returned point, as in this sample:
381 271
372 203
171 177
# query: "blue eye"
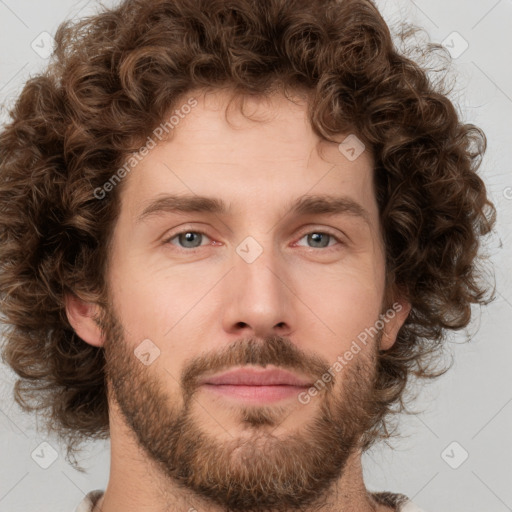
188 239
320 239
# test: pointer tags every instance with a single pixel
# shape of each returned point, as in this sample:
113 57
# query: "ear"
393 320
83 318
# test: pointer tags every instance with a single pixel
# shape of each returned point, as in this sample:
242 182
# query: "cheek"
341 304
144 302
161 303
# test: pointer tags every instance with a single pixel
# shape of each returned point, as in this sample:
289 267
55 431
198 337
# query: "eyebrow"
305 205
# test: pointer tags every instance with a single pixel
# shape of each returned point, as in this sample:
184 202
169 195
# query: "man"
232 232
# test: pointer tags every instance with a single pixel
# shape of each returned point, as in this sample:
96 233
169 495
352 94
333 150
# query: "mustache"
272 350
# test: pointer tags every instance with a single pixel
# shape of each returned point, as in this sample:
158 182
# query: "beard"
255 470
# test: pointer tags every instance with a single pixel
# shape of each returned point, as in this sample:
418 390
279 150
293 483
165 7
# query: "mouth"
256 385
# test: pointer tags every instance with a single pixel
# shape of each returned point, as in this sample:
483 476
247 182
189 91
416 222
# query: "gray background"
471 406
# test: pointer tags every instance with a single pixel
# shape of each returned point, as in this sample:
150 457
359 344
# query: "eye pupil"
188 237
316 238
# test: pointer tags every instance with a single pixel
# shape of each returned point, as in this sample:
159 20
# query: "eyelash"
328 233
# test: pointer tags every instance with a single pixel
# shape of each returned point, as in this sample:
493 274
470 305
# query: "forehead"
269 155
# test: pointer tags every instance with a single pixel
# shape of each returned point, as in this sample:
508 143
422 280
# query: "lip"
257 377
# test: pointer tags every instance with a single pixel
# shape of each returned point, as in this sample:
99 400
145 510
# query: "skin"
298 305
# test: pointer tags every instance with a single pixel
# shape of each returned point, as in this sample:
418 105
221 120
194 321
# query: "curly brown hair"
111 81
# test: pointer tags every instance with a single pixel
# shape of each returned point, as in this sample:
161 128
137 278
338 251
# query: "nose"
259 297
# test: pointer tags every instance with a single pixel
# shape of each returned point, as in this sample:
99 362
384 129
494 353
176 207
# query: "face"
258 285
